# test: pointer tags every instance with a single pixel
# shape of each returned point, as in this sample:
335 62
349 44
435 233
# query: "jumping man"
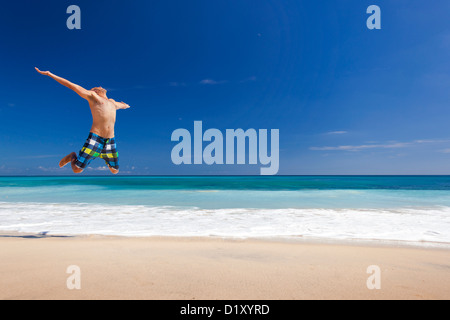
101 142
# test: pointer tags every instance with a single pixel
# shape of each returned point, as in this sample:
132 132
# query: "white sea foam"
416 224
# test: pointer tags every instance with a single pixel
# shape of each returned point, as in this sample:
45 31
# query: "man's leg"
91 150
111 156
72 158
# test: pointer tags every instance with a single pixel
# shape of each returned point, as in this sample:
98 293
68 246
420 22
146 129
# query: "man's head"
100 91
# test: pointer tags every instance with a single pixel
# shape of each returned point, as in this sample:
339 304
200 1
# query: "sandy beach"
35 267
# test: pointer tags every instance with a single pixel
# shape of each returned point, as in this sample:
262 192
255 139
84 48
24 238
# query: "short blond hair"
99 90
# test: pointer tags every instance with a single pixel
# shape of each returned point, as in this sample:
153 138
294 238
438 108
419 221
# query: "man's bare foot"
67 159
113 171
75 168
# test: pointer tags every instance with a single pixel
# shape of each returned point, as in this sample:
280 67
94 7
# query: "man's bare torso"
103 116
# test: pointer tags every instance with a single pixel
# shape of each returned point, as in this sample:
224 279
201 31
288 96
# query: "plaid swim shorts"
98 147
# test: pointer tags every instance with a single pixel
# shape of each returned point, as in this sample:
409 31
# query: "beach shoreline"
358 242
34 266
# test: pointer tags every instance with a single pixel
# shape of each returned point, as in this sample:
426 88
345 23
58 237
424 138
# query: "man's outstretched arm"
85 94
120 105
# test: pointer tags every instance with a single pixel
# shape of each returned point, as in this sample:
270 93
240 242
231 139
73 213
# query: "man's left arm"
120 105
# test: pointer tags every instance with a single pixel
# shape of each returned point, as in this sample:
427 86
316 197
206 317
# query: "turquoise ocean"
388 208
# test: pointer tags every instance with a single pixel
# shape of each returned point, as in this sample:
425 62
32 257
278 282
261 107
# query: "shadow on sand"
42 235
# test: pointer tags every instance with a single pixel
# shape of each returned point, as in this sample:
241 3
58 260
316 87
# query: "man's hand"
45 73
120 105
125 106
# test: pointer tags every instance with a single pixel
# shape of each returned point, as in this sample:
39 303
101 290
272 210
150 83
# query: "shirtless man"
101 142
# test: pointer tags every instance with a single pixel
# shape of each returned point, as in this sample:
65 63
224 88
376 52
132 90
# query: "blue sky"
347 100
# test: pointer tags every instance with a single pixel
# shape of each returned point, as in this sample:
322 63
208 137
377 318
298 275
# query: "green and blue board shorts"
98 147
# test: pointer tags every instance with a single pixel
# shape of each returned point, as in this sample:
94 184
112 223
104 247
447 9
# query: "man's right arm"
85 94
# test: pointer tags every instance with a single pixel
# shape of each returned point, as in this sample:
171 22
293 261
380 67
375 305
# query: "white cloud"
431 141
211 82
361 147
208 81
49 169
98 169
336 132
388 145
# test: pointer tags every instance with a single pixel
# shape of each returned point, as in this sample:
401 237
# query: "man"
101 141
